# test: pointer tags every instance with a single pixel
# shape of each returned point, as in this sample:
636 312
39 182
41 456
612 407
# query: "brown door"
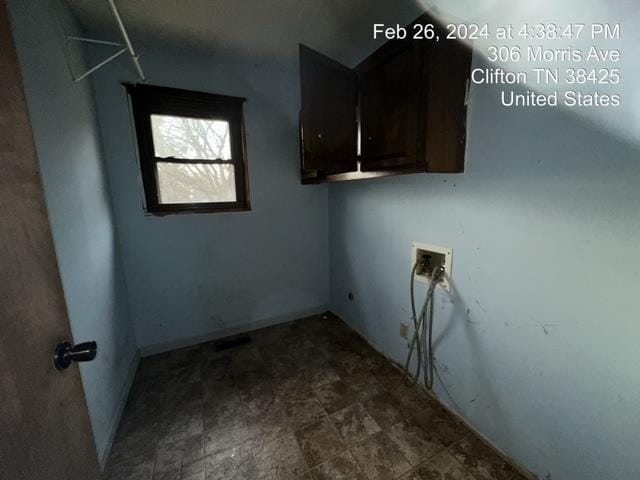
44 424
328 115
389 96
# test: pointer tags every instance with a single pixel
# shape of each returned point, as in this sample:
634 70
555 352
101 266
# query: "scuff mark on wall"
480 306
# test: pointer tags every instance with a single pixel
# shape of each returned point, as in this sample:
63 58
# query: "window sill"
191 210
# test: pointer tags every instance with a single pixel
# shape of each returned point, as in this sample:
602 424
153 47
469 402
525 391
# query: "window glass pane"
190 138
196 182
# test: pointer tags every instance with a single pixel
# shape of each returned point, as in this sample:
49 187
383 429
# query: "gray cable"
422 339
417 322
416 328
428 378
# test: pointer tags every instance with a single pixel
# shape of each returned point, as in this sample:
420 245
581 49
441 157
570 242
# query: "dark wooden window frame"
147 100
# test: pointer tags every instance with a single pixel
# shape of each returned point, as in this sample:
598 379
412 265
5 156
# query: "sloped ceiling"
268 28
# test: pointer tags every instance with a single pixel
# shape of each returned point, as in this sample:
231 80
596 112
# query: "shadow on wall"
461 312
537 337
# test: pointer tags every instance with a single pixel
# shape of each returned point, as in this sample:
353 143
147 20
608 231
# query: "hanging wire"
422 340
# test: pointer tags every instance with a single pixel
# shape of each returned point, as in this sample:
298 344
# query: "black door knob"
66 353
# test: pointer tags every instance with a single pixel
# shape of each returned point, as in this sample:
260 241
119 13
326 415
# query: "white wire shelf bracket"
127 46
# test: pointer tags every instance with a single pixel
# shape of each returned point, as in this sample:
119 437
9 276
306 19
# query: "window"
192 150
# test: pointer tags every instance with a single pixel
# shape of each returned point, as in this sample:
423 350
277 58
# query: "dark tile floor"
304 400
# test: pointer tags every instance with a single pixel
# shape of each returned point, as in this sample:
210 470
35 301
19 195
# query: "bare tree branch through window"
191 139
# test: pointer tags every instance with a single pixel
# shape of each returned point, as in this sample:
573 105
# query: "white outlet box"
438 256
404 331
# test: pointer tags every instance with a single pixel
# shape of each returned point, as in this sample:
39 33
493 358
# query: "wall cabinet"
389 95
401 110
328 127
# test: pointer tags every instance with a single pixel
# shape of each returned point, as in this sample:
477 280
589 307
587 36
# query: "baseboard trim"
156 348
521 470
103 456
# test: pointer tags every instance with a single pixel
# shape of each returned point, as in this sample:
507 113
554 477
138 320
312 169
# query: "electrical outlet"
404 331
432 256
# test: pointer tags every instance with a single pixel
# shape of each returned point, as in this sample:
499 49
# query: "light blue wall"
195 276
77 194
538 345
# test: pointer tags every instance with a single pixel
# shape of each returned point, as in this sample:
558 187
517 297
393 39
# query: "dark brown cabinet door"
389 95
328 115
445 127
402 111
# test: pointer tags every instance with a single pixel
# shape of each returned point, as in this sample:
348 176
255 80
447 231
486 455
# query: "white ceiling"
269 28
